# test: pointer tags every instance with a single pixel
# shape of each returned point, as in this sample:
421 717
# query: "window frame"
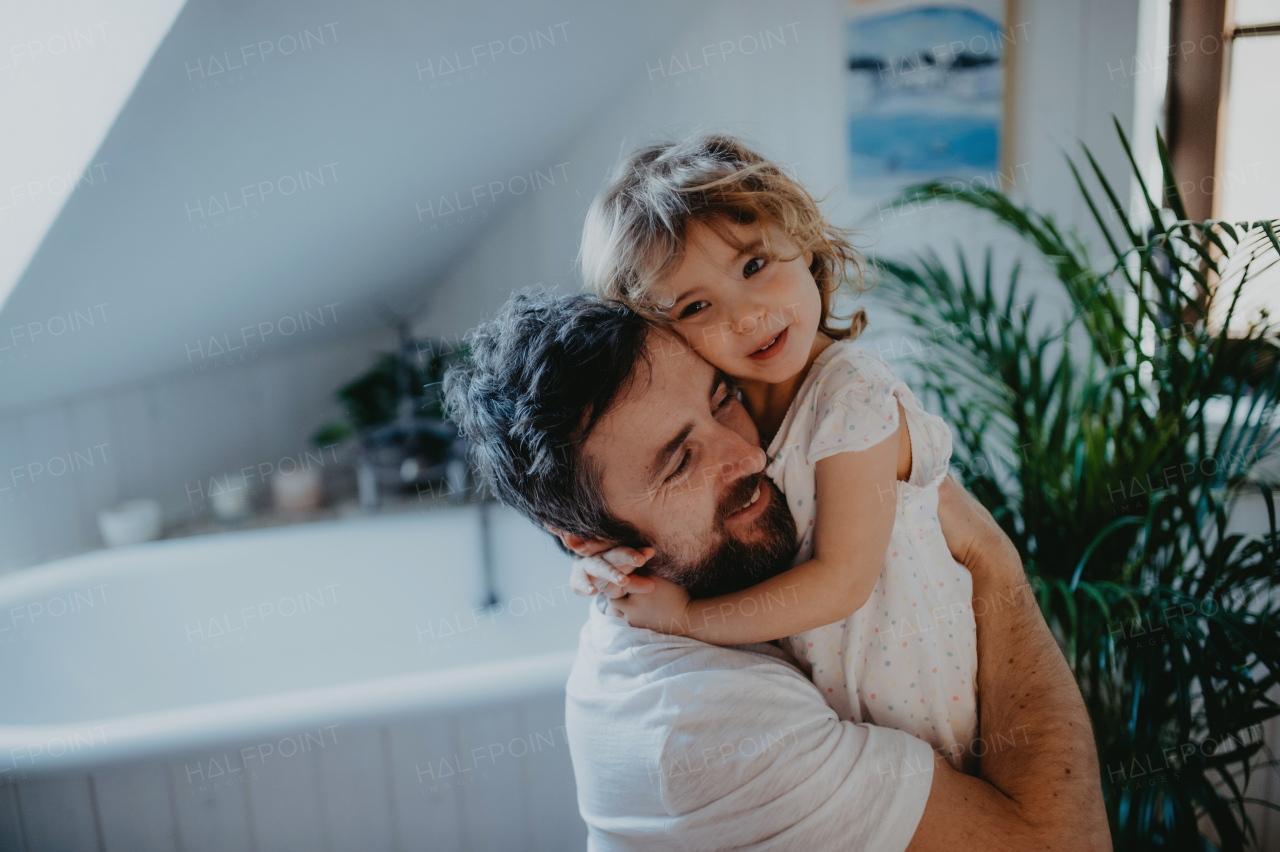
1198 86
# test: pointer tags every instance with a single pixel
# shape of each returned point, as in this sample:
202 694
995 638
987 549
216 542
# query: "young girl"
730 252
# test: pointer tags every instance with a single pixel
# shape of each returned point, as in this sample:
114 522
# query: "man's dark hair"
540 376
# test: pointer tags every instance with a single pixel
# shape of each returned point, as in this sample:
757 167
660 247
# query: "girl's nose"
752 318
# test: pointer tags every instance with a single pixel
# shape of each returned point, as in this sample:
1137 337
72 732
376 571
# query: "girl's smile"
751 310
772 348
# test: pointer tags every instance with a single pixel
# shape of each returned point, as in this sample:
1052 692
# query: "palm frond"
1126 429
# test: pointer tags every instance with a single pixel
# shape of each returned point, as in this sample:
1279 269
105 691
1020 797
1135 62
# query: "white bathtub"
326 686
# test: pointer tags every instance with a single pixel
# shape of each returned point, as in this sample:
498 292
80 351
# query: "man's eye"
693 308
684 464
753 266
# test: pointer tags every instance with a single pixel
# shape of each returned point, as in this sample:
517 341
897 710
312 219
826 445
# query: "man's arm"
1039 785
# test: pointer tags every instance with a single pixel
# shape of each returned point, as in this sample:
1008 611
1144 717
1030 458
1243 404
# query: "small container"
230 504
298 491
130 522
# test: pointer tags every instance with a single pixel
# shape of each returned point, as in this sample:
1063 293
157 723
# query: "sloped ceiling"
282 157
66 70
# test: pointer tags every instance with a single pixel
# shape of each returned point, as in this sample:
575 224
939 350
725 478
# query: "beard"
732 564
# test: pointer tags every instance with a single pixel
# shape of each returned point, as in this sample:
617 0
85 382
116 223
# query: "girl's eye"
693 308
753 266
684 464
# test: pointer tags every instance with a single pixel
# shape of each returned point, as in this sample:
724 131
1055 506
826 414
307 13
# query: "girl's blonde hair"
636 229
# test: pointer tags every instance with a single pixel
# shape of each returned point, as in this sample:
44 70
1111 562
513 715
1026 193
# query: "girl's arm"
857 503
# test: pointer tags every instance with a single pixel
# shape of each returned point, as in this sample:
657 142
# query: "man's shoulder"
614 658
677 743
642 681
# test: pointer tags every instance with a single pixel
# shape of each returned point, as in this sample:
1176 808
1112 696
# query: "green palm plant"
1110 442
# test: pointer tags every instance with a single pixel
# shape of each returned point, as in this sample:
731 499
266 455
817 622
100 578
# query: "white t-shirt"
908 659
678 744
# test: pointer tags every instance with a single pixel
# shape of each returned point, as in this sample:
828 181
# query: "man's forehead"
671 367
664 389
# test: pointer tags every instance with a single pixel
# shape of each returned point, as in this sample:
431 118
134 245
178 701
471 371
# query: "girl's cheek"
710 341
721 355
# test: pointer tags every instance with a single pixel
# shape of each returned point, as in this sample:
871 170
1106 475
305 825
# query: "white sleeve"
855 404
756 759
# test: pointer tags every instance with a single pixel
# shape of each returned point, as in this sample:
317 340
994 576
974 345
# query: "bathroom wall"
1072 64
61 463
1074 68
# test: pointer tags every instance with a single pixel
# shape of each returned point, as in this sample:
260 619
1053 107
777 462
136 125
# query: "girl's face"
756 319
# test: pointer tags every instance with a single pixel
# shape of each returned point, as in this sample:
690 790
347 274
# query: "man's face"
681 463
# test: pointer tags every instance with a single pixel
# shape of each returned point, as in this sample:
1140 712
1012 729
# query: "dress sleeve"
855 403
756 759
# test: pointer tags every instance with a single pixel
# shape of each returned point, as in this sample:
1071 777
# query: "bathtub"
337 685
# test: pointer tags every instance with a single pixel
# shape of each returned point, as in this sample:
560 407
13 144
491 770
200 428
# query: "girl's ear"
808 259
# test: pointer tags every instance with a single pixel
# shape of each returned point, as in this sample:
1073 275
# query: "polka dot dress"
908 658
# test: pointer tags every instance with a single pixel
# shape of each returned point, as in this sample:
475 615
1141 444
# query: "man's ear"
579 545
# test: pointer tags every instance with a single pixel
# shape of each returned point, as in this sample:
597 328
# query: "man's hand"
1044 790
973 536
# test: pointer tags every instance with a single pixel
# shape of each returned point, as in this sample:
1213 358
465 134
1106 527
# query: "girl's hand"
592 573
665 609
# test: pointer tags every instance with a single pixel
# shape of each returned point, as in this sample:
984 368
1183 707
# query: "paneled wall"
495 777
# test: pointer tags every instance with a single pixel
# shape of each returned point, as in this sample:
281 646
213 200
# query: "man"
575 409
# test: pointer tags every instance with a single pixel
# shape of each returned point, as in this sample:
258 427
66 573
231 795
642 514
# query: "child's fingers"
639 584
594 574
627 559
614 592
580 581
601 571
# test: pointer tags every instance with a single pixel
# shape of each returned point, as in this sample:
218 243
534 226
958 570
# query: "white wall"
789 102
162 435
159 439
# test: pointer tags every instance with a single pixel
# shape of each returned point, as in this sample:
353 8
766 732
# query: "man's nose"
740 458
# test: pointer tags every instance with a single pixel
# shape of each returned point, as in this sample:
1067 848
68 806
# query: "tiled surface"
496 777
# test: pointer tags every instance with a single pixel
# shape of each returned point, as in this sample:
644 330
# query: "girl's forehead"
719 241
711 246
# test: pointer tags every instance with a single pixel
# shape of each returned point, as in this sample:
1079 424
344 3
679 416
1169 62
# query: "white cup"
130 522
230 503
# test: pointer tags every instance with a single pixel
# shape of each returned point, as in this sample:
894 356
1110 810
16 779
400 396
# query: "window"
1248 179
1223 120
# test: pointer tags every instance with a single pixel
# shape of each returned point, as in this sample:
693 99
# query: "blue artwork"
925 94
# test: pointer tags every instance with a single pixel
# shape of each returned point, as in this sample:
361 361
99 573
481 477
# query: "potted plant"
395 412
1111 443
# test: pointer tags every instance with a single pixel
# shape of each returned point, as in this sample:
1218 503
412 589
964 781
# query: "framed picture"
925 92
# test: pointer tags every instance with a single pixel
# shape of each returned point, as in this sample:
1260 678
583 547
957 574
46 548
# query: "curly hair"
636 229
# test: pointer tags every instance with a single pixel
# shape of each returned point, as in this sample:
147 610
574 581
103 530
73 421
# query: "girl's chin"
770 374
